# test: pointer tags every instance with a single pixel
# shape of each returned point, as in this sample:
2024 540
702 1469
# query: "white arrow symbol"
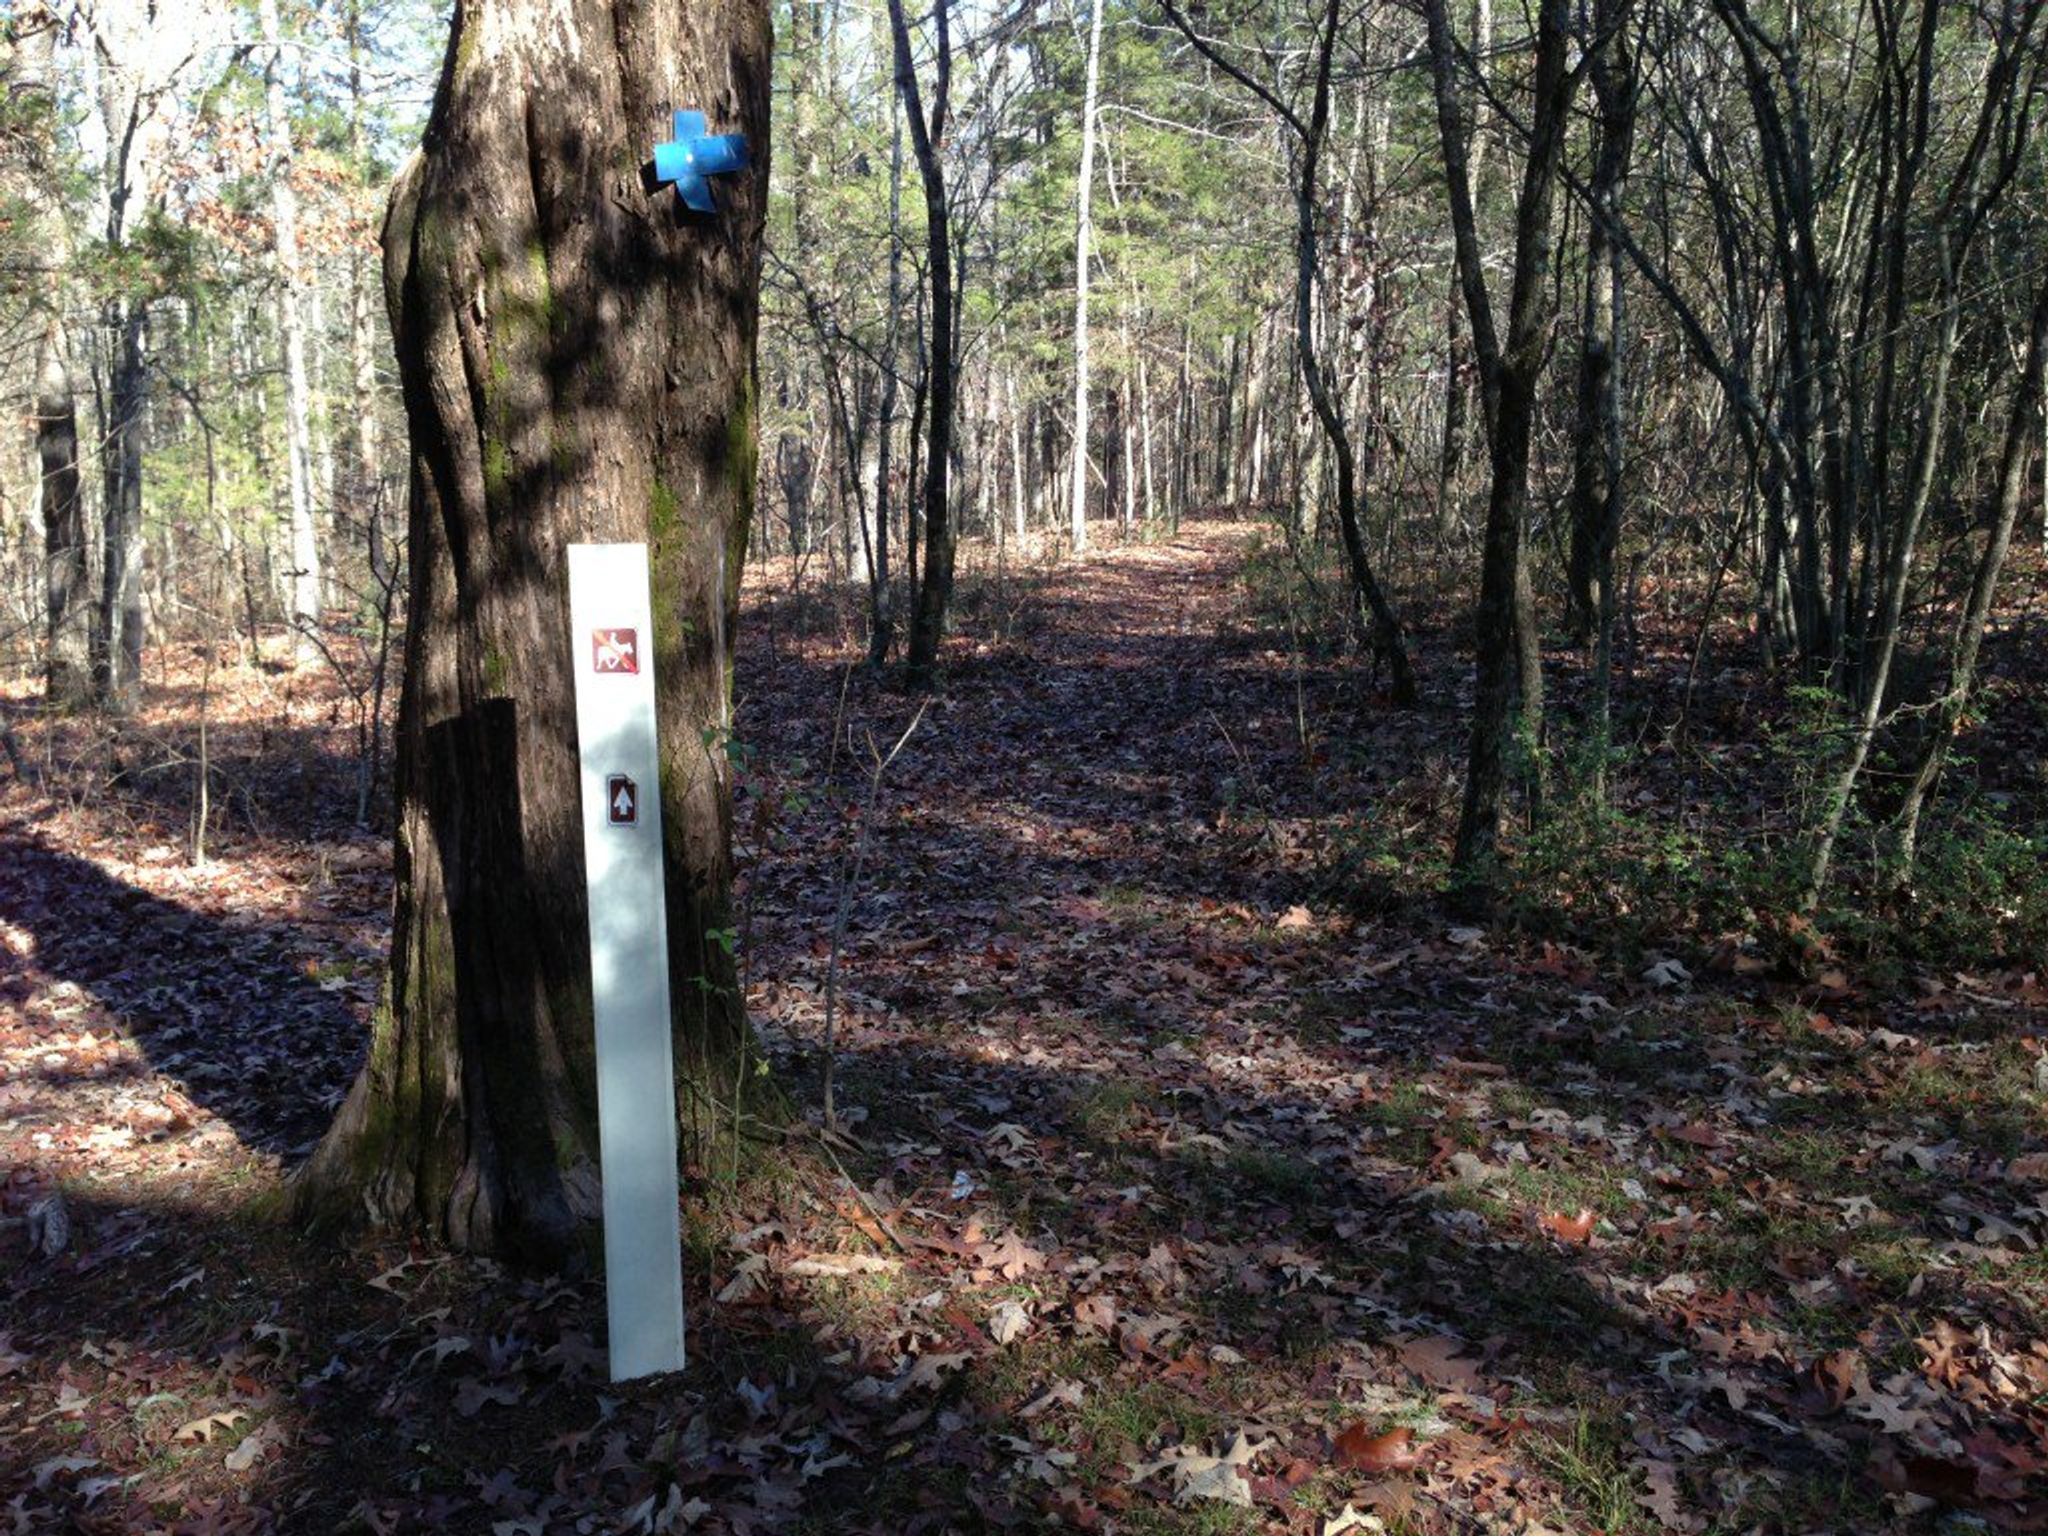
622 804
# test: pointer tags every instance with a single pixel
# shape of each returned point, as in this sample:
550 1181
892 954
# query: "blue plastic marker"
693 155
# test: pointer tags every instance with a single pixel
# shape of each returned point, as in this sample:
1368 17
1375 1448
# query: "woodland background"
1456 940
1571 321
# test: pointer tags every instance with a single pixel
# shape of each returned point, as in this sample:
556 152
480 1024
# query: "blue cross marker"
694 155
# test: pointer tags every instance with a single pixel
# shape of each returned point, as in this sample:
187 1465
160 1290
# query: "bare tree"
1309 135
927 136
1509 371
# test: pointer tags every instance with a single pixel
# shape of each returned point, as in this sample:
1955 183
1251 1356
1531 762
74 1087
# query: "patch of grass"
859 1304
1205 1518
1813 1498
1120 1416
1565 1188
1276 1175
1590 1469
1010 1376
1105 1111
1405 1108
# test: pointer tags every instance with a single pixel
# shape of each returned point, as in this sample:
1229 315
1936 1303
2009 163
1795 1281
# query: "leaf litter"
1211 1191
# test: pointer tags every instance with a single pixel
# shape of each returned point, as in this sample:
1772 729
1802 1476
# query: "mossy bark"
577 360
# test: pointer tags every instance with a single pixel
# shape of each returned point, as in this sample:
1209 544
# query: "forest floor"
1202 1174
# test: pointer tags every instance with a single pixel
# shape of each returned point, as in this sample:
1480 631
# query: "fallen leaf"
1010 1256
1060 1393
1008 1321
1569 1229
1362 1451
1347 1520
1195 1475
1433 1357
838 1265
256 1445
1096 1312
202 1429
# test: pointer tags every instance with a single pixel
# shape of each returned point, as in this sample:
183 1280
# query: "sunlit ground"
1194 1193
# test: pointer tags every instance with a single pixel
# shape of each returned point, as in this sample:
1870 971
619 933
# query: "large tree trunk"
577 357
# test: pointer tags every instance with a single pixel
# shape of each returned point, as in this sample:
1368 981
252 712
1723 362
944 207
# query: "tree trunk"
2012 479
881 596
1509 372
1597 497
1596 455
66 578
935 590
284 214
577 356
1383 626
118 628
367 470
1084 235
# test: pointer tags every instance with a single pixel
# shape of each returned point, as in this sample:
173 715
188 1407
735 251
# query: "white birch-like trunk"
362 275
1084 234
1020 498
303 578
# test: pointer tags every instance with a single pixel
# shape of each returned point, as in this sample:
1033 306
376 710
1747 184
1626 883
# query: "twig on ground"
847 886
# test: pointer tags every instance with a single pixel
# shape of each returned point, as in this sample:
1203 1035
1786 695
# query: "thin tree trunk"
1020 505
66 577
1084 235
284 213
118 630
365 446
1509 373
67 603
927 134
881 595
1597 497
1384 627
2011 492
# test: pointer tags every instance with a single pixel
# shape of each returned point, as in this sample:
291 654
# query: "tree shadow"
257 1021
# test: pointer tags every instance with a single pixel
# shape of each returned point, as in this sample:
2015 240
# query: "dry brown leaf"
1096 1312
1009 1256
1434 1358
1362 1451
1569 1229
201 1429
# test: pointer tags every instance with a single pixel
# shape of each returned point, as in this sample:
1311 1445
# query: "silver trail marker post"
611 627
